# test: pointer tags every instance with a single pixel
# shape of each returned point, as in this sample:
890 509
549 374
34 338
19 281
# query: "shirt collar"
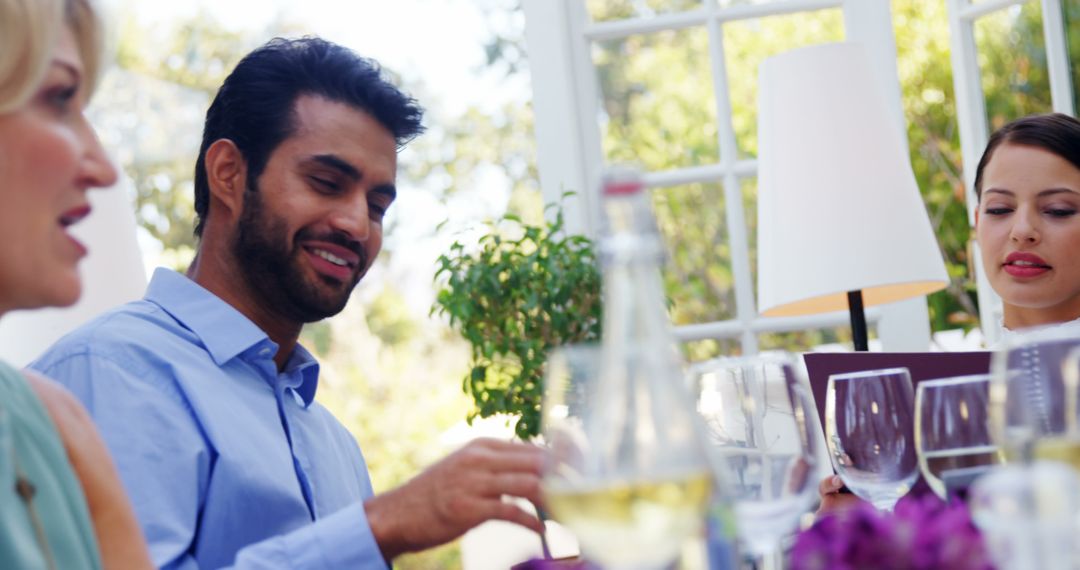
1035 334
225 332
301 361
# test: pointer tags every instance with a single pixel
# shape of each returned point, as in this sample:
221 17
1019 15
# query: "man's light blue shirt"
227 461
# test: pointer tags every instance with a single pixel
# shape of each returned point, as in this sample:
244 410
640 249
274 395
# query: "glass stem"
773 560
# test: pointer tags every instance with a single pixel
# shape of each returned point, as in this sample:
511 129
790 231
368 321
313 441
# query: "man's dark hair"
1052 132
255 107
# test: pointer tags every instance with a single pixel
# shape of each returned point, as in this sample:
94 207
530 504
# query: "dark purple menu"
921 365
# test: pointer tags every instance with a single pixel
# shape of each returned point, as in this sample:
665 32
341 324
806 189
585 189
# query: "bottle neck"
645 418
628 213
631 254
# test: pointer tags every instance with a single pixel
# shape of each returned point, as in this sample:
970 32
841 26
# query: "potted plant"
524 290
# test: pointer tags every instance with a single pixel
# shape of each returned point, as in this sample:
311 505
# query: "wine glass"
868 429
1033 396
952 431
626 471
1027 515
761 422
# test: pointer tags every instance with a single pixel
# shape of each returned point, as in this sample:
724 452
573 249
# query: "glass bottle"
640 480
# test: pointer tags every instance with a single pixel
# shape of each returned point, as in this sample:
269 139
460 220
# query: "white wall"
112 274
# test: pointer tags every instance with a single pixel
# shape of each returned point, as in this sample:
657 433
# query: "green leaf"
511 301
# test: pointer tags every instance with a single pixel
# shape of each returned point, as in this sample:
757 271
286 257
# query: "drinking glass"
1033 396
626 472
869 432
761 422
952 431
1027 515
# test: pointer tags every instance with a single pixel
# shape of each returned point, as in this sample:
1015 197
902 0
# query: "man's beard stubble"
270 264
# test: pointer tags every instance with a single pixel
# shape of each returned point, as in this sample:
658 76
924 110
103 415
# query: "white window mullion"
589 99
745 307
560 146
1057 57
971 12
616 29
691 18
736 330
970 101
974 131
775 8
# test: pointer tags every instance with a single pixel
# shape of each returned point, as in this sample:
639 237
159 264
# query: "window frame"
570 156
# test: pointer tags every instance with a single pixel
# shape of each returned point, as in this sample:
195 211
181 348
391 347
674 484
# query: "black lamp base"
858 320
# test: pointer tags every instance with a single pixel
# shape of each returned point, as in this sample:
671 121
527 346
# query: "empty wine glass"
952 431
761 422
626 471
869 432
1032 405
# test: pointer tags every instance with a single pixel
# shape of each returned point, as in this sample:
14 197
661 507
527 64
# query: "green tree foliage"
658 99
189 62
922 45
1013 68
1012 61
1072 31
179 66
527 289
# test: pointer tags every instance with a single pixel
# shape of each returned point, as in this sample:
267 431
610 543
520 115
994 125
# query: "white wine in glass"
633 524
1065 447
629 506
1033 396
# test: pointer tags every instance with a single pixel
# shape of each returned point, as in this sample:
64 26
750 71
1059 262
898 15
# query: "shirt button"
264 352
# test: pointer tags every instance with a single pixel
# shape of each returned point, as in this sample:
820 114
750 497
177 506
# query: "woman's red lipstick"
1025 265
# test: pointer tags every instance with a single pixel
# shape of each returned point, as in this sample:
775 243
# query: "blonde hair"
29 31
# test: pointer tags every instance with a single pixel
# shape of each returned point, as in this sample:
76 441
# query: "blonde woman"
61 502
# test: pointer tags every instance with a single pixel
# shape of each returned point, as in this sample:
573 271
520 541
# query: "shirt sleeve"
165 464
341 540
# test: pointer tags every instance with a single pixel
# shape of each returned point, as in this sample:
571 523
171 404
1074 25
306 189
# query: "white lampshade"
838 206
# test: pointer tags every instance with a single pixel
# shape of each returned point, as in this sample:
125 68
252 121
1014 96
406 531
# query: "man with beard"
201 390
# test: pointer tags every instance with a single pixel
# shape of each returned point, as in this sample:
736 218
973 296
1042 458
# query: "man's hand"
120 540
456 494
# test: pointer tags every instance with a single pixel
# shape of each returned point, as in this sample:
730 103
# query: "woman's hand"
120 539
832 500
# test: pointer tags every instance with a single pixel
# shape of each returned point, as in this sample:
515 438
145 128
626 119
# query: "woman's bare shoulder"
59 403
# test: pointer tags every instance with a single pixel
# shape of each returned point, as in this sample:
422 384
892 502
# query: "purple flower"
923 533
550 564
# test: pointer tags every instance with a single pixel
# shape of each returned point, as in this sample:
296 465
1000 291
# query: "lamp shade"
838 206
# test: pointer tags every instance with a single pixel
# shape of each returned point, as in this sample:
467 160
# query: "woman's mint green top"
44 522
